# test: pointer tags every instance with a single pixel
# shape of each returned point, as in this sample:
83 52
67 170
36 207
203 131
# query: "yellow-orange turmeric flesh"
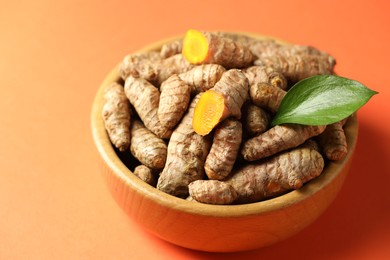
195 47
209 111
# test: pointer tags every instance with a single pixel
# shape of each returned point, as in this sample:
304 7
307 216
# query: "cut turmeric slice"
223 100
204 47
195 47
209 111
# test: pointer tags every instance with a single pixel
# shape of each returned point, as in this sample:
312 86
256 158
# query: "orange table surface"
54 203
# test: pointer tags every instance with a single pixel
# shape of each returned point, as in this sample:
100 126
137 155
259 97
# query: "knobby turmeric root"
224 150
147 147
333 142
145 98
255 120
171 48
223 100
175 64
145 174
266 96
277 175
277 139
205 47
141 65
295 62
174 100
212 192
245 40
202 77
271 47
152 67
186 155
262 74
116 116
311 144
298 67
265 48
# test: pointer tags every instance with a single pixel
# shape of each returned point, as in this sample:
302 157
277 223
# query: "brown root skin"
311 144
295 62
145 99
116 115
266 96
174 100
206 48
263 74
277 175
223 100
264 47
227 52
145 174
245 40
203 77
269 47
333 142
141 65
187 153
212 192
224 150
152 67
171 48
255 120
297 67
233 86
175 64
147 147
277 139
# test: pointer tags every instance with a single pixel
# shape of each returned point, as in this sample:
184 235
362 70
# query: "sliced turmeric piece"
209 111
195 47
223 100
206 47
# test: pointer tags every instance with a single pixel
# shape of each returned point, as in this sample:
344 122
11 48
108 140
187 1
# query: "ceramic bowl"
215 228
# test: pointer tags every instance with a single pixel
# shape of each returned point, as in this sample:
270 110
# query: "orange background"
53 56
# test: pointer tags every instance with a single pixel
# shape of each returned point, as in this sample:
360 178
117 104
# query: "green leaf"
322 100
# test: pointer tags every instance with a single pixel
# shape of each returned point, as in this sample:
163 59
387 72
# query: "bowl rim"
121 171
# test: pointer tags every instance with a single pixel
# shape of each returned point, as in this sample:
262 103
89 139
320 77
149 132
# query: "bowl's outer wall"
221 234
216 228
